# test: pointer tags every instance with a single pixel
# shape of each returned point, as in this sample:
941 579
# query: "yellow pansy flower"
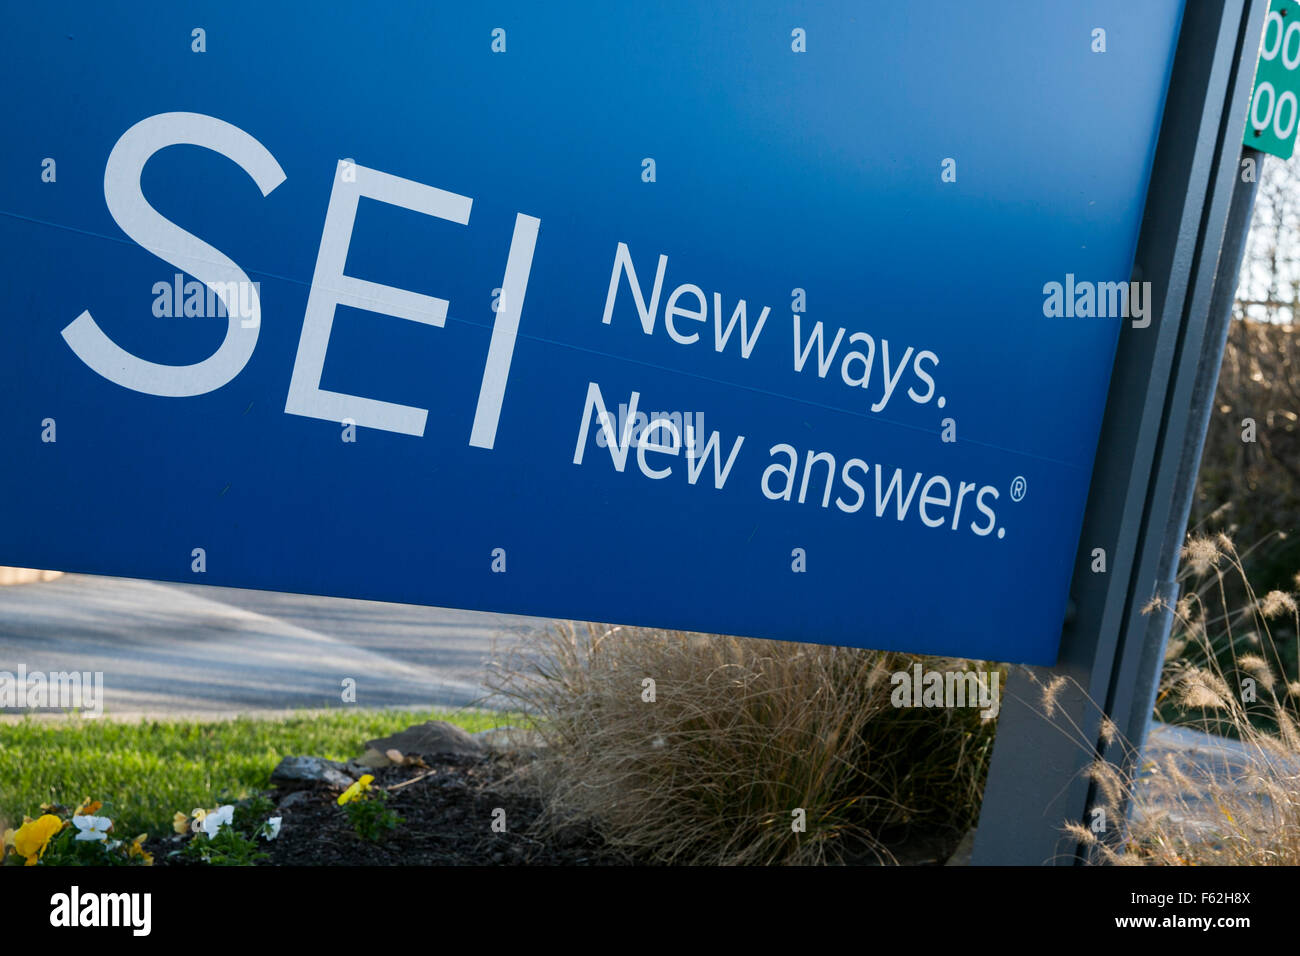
181 823
34 836
356 790
137 849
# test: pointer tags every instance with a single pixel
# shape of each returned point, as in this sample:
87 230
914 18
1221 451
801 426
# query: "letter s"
132 212
985 509
924 376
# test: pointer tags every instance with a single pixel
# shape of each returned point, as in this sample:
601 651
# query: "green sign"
1273 104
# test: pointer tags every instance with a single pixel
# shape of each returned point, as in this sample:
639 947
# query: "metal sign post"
1198 211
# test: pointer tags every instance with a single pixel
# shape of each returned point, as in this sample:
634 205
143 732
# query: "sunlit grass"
147 770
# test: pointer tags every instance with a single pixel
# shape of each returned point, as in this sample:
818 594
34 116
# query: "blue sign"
777 321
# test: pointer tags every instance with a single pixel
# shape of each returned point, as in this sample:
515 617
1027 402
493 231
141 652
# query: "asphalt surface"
179 649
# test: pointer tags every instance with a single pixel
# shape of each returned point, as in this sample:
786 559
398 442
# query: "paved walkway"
172 649
1202 758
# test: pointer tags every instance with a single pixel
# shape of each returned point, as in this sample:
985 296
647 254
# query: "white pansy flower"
218 818
92 828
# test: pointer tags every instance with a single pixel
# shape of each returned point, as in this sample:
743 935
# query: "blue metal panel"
774 170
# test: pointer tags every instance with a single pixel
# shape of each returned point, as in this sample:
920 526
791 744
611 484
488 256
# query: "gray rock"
298 772
294 799
430 739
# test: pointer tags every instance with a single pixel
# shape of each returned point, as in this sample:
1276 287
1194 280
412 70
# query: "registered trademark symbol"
1018 488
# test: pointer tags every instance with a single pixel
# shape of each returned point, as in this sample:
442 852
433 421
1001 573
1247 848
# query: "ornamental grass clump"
1231 797
690 748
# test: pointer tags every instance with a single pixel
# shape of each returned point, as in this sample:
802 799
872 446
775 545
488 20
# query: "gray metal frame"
1161 395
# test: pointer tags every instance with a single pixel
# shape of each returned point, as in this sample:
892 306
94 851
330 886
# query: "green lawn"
146 771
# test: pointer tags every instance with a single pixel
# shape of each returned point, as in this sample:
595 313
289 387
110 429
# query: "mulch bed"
447 810
448 818
447 822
